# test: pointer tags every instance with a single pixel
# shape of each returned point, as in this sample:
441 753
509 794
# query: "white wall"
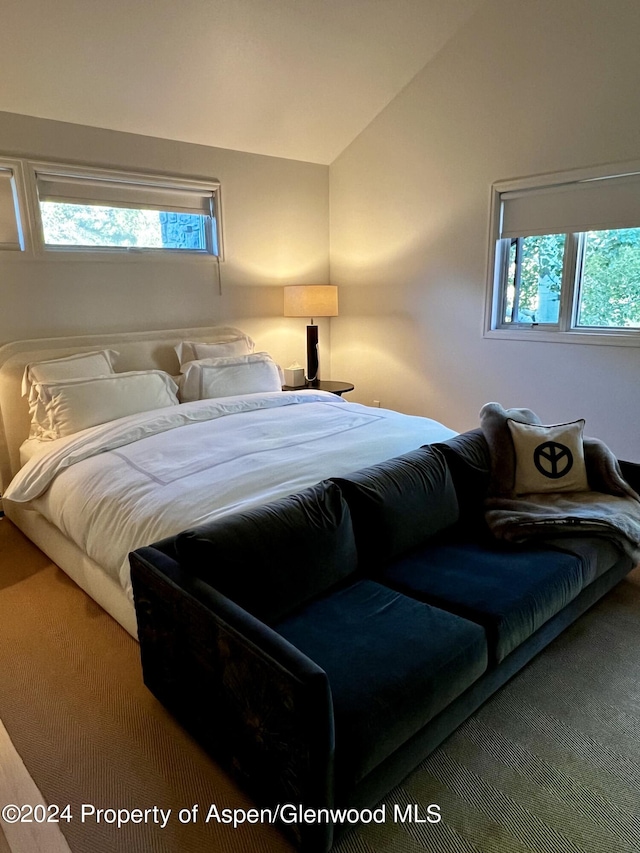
524 88
276 232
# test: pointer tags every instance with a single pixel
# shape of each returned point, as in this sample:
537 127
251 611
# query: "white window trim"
25 172
561 332
118 252
23 219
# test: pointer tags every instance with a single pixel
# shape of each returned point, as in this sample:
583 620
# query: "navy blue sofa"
322 645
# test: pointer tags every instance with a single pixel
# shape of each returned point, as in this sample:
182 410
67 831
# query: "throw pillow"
548 458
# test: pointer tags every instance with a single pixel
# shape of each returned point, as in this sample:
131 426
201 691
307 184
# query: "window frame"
566 330
21 209
118 253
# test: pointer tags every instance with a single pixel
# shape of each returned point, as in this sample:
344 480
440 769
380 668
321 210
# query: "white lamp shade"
311 300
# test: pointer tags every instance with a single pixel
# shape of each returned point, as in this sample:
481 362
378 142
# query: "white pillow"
549 458
230 343
80 365
74 404
225 377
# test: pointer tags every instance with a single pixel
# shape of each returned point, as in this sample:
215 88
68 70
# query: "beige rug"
73 702
4 846
549 765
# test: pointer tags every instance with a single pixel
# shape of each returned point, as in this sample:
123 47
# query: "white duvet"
115 487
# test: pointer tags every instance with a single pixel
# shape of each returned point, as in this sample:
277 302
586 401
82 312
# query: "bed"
91 495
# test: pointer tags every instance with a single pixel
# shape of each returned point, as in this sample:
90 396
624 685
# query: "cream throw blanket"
611 508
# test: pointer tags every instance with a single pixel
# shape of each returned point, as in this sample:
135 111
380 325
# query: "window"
567 259
10 225
94 210
534 281
609 292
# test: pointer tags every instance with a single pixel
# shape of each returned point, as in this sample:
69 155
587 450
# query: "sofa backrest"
398 504
271 559
468 459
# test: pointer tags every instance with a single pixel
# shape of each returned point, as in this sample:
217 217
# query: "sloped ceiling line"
298 79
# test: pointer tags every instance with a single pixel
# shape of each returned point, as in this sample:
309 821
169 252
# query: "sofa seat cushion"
393 663
510 591
598 554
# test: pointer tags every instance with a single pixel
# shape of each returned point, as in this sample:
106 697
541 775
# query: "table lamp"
311 300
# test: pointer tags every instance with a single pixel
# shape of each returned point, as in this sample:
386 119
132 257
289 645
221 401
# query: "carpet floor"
551 764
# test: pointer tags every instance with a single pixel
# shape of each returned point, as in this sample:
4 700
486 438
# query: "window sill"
110 256
605 338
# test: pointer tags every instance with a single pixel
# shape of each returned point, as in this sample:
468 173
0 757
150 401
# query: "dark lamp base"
312 356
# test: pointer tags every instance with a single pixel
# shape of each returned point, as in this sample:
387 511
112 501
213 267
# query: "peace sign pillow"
548 458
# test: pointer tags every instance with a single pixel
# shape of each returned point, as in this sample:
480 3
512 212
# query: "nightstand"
338 388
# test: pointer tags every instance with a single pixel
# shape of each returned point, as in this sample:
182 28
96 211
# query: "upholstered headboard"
136 351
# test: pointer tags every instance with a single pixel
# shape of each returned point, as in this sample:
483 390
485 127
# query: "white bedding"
115 487
31 447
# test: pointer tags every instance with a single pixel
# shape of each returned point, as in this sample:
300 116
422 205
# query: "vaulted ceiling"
291 78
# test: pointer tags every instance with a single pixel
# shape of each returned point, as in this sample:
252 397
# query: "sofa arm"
631 473
256 703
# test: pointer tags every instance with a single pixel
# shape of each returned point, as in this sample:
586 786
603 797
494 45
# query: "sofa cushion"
397 504
467 455
598 554
272 558
393 663
509 590
548 458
